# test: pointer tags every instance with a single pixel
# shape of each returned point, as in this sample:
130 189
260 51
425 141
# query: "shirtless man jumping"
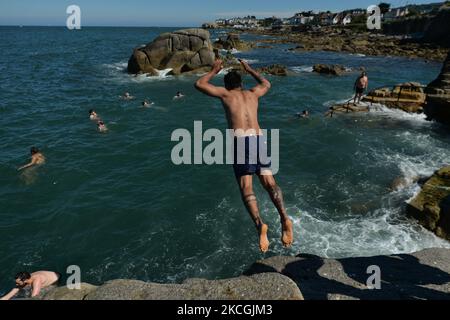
37 280
241 108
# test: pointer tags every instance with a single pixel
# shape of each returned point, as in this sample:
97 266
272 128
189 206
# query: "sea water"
115 204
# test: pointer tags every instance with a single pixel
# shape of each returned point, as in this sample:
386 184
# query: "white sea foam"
398 114
118 66
251 60
301 69
378 233
233 51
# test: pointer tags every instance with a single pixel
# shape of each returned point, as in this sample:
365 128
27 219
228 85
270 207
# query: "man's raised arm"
204 86
263 84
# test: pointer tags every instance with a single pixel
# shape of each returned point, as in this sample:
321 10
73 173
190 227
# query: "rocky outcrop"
335 69
438 96
264 286
274 69
188 50
344 40
431 207
233 41
421 275
409 97
210 25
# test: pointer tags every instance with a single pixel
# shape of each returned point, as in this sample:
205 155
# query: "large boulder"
274 69
438 96
409 97
183 51
335 69
431 207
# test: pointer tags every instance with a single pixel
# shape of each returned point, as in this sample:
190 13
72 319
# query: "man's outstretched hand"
217 66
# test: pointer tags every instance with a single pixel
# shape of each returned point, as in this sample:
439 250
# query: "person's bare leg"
249 199
269 183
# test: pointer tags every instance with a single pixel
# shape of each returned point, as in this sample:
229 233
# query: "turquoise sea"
116 205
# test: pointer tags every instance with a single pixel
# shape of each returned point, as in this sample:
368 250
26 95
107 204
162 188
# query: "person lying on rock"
241 109
36 280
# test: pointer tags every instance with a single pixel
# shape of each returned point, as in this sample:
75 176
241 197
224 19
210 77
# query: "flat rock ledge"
421 275
263 286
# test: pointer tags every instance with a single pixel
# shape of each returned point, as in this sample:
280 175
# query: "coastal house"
221 22
337 19
396 13
326 19
248 22
301 18
347 19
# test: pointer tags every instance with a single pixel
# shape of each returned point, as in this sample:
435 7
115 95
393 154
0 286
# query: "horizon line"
87 26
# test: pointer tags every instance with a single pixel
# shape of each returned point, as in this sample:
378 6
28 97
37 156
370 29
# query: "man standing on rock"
241 108
361 85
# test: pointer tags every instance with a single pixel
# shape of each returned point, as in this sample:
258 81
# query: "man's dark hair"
91 110
22 276
232 80
34 150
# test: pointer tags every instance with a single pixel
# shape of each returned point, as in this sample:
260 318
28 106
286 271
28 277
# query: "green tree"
412 11
384 7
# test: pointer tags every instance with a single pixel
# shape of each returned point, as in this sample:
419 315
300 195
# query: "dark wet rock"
335 69
275 69
438 96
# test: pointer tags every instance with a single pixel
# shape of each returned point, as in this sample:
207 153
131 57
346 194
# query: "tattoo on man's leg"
277 197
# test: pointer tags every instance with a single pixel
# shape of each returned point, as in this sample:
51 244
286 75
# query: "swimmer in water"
127 96
101 126
37 158
304 114
93 115
179 95
146 104
36 280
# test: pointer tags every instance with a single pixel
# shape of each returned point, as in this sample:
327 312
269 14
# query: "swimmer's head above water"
34 150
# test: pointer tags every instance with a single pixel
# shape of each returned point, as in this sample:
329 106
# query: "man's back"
241 107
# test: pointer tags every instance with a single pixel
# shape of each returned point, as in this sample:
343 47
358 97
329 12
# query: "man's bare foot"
287 234
263 241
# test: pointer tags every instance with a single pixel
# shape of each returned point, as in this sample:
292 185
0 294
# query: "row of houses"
321 18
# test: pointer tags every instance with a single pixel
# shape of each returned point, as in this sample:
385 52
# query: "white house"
347 19
337 19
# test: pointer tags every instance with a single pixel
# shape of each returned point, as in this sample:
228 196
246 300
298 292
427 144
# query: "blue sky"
164 13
